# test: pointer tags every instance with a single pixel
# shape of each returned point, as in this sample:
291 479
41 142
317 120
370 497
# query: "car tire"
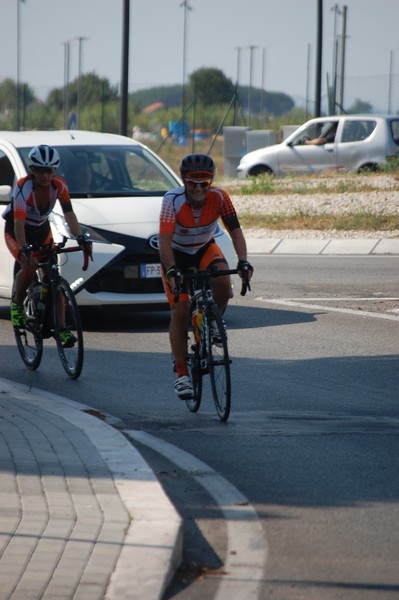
260 170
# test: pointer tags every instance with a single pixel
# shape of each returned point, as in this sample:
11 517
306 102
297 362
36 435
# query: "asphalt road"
297 495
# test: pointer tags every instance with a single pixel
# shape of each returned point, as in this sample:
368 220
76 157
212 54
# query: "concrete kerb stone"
318 246
152 548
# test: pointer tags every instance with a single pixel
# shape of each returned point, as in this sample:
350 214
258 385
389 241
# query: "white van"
361 142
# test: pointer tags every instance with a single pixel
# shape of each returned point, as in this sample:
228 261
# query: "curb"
317 246
152 548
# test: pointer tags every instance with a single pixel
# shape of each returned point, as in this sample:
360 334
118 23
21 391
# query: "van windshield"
95 170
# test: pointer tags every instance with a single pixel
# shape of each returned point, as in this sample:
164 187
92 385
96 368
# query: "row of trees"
98 103
211 99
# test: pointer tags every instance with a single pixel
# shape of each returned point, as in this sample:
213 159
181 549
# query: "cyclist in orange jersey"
188 222
27 221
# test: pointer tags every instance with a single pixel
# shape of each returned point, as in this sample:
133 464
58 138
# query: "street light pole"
251 49
18 102
236 95
125 68
80 39
66 82
186 7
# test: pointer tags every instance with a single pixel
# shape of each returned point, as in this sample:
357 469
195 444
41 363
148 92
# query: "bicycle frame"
204 357
57 314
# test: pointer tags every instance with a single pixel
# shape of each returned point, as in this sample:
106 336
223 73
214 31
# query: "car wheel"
260 170
369 168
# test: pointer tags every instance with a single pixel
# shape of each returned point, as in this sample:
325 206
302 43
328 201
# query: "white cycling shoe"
184 388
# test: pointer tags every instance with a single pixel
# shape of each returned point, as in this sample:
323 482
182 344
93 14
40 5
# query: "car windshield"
93 171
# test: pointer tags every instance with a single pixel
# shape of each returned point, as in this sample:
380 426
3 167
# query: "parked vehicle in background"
362 142
116 186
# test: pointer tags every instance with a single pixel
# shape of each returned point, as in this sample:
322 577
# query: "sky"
282 32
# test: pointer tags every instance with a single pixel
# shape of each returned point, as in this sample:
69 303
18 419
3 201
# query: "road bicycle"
50 307
205 357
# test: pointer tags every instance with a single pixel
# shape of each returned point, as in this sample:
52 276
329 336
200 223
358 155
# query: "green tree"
360 107
210 87
93 89
8 94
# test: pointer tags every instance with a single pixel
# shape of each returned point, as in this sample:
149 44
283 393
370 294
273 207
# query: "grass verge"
362 221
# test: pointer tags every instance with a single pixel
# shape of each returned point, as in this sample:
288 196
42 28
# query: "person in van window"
327 135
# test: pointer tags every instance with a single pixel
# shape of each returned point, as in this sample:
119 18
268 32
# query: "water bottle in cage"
43 295
197 323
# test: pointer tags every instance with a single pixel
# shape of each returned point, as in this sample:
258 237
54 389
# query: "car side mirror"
5 194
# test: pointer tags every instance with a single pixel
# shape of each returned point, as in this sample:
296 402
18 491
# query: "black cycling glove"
173 273
85 244
244 266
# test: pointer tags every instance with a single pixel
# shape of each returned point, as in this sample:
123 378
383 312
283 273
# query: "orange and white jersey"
24 204
193 229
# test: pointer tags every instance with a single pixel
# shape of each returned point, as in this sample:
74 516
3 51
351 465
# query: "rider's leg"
23 279
213 258
178 330
221 287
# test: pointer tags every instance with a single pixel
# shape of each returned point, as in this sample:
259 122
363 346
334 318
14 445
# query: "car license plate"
150 271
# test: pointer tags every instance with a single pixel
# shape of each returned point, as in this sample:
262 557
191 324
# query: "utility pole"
125 69
186 8
18 87
66 82
237 84
251 49
79 92
342 61
319 54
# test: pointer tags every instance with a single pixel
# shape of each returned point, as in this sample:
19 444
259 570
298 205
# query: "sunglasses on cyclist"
42 170
192 183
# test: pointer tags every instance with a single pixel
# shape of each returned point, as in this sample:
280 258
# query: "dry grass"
349 222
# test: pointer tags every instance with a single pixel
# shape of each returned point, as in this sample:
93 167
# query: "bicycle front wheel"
219 365
67 329
29 338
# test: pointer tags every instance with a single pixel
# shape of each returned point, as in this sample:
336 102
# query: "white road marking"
326 308
246 552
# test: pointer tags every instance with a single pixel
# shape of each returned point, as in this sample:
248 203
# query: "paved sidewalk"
325 247
81 514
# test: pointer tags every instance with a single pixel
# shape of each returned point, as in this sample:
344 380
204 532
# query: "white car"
361 142
118 206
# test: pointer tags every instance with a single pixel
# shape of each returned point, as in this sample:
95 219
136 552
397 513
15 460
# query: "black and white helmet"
44 156
197 166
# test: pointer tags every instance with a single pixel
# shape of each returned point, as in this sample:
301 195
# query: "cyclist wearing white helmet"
27 221
188 223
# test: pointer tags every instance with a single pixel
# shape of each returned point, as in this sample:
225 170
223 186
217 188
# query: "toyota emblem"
154 242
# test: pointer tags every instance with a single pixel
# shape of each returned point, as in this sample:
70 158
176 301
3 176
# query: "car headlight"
61 229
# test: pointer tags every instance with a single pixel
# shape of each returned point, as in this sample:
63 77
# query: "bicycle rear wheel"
29 338
219 365
67 319
193 362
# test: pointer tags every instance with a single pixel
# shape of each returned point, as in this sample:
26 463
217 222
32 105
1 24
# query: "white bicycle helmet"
44 156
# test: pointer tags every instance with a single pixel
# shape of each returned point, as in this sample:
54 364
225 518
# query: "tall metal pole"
186 8
18 100
79 91
237 84
390 82
307 81
125 69
251 49
319 54
263 82
342 69
66 82
335 61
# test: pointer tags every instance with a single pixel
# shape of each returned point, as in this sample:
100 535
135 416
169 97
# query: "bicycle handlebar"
86 255
206 274
59 248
